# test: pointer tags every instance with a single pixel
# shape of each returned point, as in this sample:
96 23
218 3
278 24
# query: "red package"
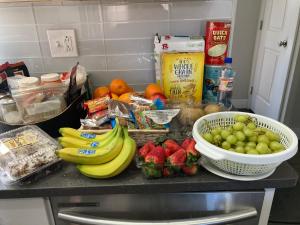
216 42
96 105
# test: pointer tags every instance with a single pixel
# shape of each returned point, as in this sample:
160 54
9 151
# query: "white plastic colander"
237 163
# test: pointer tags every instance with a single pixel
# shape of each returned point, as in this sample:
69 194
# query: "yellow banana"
115 166
71 142
96 155
70 132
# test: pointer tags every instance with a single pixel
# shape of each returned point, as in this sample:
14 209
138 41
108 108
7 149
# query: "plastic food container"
40 103
243 164
27 82
152 171
25 151
51 78
9 111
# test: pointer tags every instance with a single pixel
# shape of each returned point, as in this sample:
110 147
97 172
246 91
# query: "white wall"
246 24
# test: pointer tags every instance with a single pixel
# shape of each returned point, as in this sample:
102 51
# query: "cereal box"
164 44
182 75
216 42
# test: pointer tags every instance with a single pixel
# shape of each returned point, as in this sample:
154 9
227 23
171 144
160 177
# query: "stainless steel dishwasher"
234 208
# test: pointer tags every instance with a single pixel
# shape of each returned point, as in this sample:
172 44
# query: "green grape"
226 145
262 148
230 129
217 139
240 143
251 144
248 148
241 118
263 139
276 146
231 139
216 131
272 136
238 126
253 138
240 149
248 132
252 152
251 126
208 137
259 130
225 134
231 149
240 136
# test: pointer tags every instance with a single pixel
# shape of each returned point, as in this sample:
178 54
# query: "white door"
274 52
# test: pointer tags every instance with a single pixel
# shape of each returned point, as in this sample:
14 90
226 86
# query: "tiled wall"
115 38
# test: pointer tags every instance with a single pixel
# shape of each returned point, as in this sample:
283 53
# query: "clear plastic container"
24 152
9 111
40 103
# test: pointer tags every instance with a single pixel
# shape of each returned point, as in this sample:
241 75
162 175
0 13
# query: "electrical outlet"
62 43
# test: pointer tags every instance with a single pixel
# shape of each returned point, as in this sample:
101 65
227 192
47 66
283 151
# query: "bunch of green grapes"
245 137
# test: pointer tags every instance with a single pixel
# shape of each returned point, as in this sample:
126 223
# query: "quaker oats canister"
216 42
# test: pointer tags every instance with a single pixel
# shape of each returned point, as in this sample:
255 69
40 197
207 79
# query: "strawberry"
171 144
192 154
167 172
190 170
168 152
143 151
177 159
156 157
186 142
152 172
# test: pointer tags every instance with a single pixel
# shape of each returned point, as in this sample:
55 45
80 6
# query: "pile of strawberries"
169 159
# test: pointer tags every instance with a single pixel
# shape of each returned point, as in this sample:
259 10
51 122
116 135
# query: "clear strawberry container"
151 170
25 151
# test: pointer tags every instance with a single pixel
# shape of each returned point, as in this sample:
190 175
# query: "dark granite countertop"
68 181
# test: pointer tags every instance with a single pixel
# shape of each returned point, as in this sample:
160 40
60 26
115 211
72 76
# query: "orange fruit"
114 96
125 97
118 87
153 89
101 92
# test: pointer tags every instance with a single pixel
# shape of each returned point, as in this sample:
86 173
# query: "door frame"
292 64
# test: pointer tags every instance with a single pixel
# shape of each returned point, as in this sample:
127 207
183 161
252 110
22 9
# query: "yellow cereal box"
182 75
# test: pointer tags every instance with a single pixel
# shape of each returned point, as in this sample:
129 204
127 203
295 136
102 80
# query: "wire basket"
243 164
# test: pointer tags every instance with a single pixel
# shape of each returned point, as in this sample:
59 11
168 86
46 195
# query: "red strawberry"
167 172
156 157
190 170
192 154
168 152
151 172
143 151
171 144
177 159
186 142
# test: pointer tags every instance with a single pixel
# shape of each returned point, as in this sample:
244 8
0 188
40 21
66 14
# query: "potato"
212 108
189 115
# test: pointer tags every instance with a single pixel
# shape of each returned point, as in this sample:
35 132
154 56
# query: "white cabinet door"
25 211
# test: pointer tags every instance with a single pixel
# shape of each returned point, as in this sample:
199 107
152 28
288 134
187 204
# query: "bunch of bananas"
97 156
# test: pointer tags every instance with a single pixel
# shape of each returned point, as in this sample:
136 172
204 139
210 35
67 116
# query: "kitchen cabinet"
24 211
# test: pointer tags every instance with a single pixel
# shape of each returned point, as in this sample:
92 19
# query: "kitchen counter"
68 181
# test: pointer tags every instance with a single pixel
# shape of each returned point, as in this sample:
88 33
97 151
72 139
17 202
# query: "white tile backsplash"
16 15
201 10
18 33
130 62
83 31
116 30
115 37
129 46
20 50
133 12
